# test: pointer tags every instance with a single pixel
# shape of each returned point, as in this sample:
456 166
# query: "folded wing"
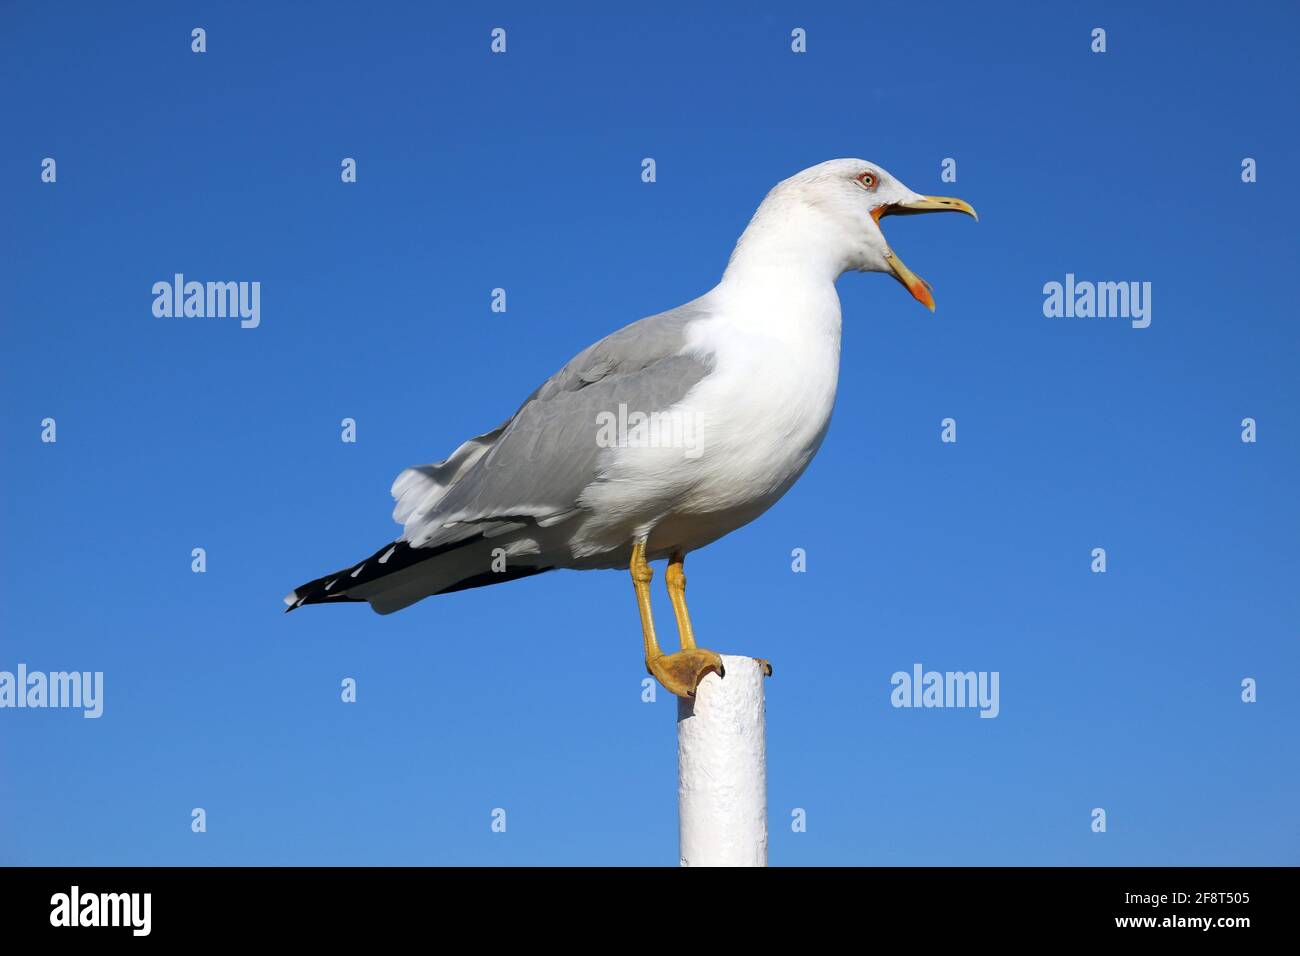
535 466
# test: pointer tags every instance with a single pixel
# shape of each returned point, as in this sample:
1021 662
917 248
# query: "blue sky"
1118 690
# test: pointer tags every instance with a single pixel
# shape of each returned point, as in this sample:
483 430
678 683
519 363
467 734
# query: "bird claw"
682 672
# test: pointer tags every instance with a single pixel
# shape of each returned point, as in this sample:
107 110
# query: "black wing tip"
318 597
391 558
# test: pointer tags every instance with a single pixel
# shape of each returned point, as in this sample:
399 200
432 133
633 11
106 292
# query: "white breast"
756 421
766 407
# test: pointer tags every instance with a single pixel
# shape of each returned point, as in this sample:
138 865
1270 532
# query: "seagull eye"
868 180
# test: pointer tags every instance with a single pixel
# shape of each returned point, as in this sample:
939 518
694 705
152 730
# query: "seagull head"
835 209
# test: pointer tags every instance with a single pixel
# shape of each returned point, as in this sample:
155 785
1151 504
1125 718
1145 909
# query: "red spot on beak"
921 292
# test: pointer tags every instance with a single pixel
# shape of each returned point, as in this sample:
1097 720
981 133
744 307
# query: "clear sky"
1118 690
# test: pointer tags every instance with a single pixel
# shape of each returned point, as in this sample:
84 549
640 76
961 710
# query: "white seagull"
663 436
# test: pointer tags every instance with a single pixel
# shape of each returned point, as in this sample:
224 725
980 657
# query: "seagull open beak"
919 288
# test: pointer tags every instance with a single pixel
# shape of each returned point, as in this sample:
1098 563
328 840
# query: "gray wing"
534 466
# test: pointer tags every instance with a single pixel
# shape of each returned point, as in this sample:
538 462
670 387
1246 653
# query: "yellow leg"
642 575
676 581
682 672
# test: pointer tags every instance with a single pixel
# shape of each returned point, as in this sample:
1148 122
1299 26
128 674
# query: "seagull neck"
780 293
785 250
780 299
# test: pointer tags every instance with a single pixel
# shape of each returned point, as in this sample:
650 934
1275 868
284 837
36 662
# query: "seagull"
663 436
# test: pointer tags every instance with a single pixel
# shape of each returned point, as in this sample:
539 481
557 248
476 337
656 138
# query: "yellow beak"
919 288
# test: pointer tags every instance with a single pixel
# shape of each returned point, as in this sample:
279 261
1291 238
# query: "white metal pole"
722 769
